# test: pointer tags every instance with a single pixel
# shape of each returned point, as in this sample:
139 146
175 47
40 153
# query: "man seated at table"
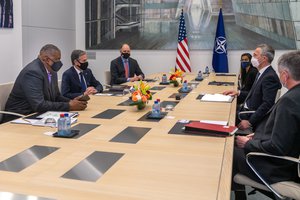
36 87
79 79
124 68
277 134
262 95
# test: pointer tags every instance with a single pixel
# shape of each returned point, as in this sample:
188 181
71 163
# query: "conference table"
121 155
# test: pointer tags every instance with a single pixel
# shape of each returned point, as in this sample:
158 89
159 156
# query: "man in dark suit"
278 133
262 95
36 87
79 80
125 69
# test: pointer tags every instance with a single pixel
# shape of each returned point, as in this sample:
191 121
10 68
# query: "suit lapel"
75 76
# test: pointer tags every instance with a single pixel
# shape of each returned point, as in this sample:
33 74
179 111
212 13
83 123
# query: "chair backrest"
5 90
107 77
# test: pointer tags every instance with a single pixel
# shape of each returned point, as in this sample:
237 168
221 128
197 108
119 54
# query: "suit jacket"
262 95
278 134
70 85
33 93
117 70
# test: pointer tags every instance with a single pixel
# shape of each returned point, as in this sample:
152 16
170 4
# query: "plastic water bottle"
61 130
164 78
67 124
155 109
206 70
159 106
200 74
185 86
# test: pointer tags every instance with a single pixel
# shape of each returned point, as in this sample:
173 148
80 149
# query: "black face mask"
56 66
83 66
125 55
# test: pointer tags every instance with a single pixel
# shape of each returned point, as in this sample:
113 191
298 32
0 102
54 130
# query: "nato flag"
220 62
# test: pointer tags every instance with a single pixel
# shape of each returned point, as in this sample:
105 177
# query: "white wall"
48 22
11 47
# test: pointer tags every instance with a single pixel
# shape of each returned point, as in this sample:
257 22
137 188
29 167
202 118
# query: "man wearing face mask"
262 95
79 80
125 69
36 87
277 133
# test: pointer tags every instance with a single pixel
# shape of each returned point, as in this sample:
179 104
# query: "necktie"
83 86
49 77
126 66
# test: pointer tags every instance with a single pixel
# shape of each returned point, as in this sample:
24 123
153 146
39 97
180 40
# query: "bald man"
124 68
36 87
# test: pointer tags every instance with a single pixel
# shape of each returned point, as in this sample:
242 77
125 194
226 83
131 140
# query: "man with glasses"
36 87
79 79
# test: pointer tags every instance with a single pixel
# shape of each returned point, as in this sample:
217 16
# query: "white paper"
224 123
217 97
103 94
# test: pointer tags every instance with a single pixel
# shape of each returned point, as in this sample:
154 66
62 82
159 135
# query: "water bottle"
185 86
155 109
200 74
61 130
164 78
67 124
206 70
159 106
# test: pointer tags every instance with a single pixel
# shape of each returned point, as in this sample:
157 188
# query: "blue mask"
245 64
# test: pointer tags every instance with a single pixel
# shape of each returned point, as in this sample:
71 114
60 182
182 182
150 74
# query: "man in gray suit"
277 133
36 87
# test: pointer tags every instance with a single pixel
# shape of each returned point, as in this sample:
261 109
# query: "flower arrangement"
141 95
176 77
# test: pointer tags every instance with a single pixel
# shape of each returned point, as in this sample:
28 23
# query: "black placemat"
149 80
167 83
178 128
182 95
84 129
113 93
219 83
147 117
126 103
224 74
181 91
157 88
130 135
109 114
165 103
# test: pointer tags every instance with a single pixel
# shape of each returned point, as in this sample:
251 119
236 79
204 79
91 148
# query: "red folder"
210 129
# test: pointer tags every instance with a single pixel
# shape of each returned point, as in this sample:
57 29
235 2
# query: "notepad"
217 98
210 129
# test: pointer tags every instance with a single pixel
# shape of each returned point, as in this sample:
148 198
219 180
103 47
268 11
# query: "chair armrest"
271 156
11 113
244 112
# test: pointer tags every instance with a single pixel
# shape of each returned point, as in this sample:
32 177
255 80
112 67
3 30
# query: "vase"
175 83
141 106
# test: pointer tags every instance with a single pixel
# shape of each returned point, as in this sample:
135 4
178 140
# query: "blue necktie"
83 86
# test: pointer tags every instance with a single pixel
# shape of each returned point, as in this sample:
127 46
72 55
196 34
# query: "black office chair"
280 190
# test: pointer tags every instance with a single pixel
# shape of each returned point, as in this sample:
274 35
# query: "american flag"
183 55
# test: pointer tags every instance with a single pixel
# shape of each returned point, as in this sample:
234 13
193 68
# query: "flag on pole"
220 62
183 55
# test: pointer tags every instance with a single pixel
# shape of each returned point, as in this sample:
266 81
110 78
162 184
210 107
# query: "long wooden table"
159 166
